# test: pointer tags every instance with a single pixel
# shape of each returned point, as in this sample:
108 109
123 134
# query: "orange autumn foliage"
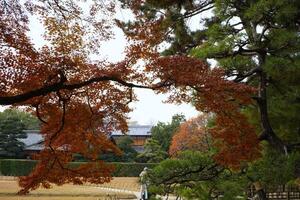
73 97
81 101
211 92
193 81
192 135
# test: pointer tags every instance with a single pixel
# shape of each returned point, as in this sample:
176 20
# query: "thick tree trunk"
268 133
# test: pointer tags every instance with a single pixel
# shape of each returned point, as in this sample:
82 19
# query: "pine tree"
153 152
163 132
11 130
255 42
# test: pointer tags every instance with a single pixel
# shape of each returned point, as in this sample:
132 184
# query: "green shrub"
130 169
15 167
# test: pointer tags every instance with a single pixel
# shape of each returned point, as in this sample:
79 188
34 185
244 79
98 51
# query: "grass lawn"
9 187
127 183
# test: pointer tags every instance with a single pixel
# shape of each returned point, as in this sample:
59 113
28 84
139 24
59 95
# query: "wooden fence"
281 192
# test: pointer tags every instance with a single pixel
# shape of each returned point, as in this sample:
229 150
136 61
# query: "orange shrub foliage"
192 135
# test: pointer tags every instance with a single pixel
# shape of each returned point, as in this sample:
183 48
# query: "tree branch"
212 170
241 77
9 100
38 114
202 7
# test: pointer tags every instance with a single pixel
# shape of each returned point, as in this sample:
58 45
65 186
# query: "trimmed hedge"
18 167
130 169
13 167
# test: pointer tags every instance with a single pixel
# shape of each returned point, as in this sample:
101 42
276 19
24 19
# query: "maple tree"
74 98
79 101
237 140
192 135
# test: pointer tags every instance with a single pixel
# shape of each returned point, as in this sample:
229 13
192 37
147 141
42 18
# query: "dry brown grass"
127 183
9 188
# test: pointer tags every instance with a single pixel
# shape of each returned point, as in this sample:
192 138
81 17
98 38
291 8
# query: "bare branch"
9 100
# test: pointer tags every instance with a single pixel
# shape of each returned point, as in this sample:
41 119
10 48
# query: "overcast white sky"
149 109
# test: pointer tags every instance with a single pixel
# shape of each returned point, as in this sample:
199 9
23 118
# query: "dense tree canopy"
153 152
79 100
163 132
59 82
125 145
13 122
195 175
11 130
192 135
30 122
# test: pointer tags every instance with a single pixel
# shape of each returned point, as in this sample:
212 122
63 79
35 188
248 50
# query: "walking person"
143 178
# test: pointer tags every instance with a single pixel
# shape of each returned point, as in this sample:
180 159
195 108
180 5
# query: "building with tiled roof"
33 142
139 134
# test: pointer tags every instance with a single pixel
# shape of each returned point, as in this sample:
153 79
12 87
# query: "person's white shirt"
144 192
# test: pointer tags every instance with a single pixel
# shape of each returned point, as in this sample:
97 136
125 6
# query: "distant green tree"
11 129
30 122
129 153
163 132
153 152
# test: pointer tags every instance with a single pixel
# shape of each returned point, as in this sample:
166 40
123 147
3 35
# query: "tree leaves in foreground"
255 42
80 100
269 171
195 175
